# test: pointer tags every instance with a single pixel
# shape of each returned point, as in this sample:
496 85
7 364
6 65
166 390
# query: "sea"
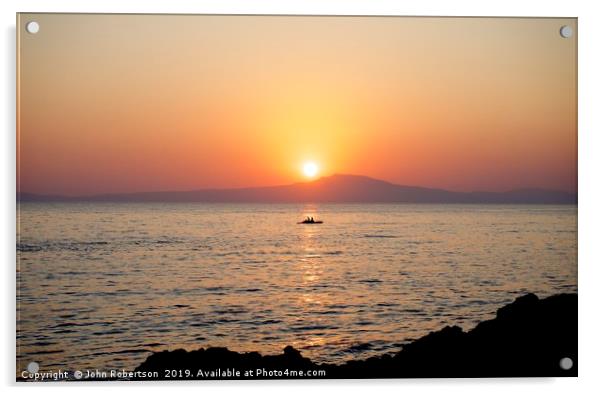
103 285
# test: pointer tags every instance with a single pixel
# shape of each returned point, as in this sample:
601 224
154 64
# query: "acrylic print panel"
295 197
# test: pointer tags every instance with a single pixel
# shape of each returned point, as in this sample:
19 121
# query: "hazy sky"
118 103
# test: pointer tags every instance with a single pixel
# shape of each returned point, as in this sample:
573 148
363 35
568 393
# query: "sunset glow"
463 104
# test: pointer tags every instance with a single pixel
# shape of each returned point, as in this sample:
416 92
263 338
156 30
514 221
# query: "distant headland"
338 188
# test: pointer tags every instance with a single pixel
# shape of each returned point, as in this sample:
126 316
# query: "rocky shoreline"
527 338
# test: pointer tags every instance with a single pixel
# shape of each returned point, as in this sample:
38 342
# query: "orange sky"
119 103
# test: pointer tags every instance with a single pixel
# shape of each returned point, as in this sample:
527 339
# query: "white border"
590 196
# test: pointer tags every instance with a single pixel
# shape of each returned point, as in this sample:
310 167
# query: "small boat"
310 222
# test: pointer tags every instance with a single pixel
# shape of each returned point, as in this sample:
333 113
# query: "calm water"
100 286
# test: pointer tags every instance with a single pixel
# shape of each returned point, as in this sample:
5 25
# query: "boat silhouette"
310 221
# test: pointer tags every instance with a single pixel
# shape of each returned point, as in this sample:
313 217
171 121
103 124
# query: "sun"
310 169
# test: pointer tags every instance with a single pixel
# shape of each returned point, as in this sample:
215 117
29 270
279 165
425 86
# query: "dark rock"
527 338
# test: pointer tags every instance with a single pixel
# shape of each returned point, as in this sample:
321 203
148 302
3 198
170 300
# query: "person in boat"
312 220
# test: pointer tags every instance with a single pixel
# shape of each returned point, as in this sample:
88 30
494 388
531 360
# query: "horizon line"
98 194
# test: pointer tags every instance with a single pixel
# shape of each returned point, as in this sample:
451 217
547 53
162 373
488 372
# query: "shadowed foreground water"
100 286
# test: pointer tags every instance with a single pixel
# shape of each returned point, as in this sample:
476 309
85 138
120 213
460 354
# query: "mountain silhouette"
338 188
